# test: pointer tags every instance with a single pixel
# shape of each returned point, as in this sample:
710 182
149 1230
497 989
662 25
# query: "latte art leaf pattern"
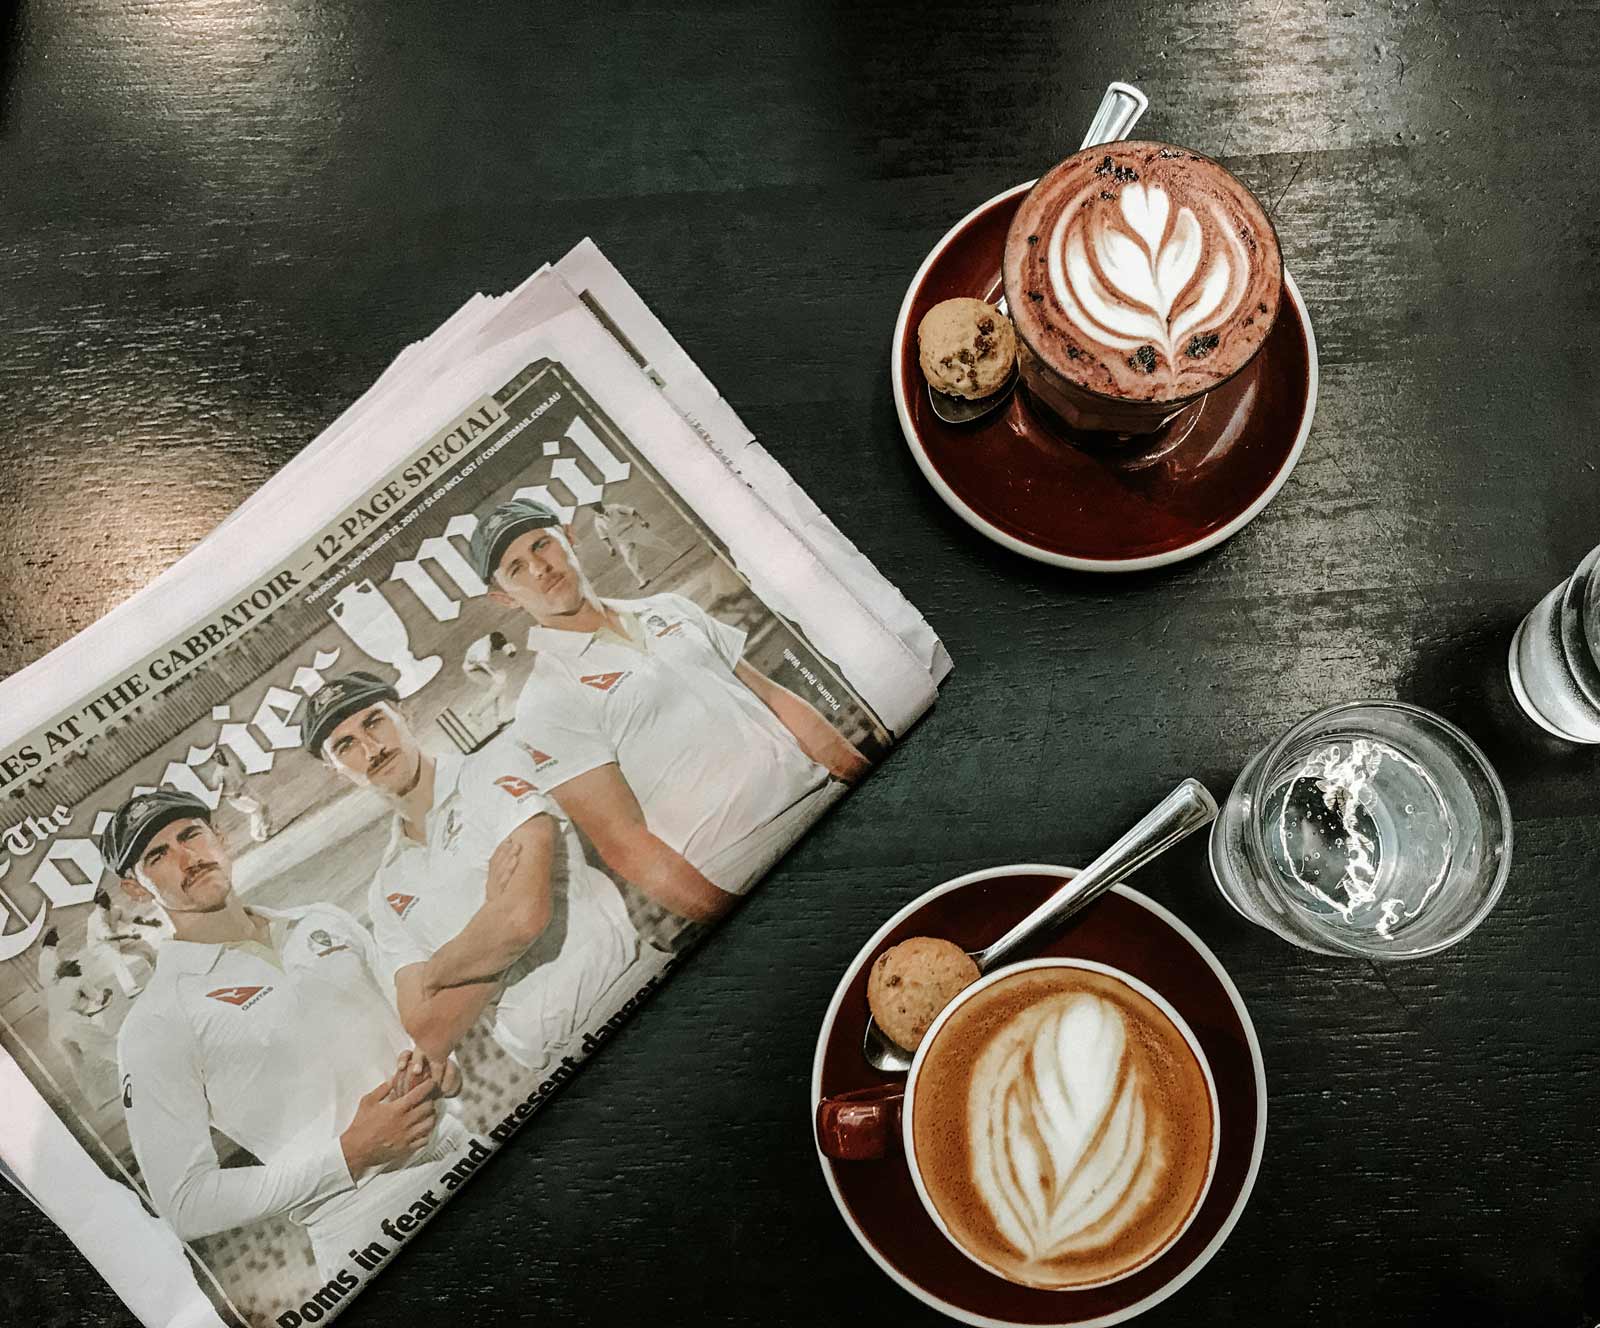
1138 275
1060 1151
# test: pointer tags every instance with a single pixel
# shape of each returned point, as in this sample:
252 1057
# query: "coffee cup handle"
862 1124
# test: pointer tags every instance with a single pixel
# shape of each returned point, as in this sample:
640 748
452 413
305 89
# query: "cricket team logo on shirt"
243 997
517 788
604 682
324 944
660 626
401 904
540 759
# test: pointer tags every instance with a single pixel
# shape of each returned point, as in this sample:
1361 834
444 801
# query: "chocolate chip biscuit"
911 982
966 348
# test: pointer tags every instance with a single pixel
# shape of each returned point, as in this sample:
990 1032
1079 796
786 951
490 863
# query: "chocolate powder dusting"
1143 358
1121 174
1199 347
1033 239
1034 295
1073 353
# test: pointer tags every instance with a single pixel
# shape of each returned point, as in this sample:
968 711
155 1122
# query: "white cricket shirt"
120 931
477 655
128 952
425 893
276 1058
708 762
79 1012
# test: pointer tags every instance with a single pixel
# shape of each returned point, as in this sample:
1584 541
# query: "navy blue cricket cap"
339 698
134 824
500 527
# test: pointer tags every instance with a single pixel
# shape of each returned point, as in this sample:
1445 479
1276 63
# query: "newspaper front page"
327 859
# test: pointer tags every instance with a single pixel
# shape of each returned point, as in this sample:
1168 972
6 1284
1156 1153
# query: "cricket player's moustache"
196 871
382 760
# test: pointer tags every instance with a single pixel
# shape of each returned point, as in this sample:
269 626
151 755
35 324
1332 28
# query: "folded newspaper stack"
328 856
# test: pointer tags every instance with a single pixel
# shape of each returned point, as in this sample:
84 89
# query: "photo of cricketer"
482 903
274 1028
687 768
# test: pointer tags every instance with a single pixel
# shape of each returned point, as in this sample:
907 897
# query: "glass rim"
1579 625
1255 847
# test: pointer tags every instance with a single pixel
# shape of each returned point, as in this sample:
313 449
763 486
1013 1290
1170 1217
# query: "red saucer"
1100 508
1127 931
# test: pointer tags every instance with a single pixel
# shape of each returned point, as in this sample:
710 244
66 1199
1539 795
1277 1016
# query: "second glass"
1555 657
1374 829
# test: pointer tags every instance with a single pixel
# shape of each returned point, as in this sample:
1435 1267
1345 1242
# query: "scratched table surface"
219 219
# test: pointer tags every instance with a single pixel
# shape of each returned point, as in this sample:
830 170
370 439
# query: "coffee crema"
1142 272
1063 1127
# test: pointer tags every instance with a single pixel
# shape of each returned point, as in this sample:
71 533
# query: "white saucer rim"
1200 1260
989 530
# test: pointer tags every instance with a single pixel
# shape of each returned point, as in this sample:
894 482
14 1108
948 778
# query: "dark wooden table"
220 218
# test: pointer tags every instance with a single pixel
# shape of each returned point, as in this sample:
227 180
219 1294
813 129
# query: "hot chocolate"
1062 1125
1139 276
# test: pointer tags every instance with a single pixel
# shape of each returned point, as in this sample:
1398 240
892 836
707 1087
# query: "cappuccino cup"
1140 276
1061 1124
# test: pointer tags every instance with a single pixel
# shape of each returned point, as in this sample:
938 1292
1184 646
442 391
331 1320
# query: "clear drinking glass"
1555 657
1373 828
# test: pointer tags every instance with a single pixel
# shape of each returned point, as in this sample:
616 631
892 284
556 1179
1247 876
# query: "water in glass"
1372 828
1361 833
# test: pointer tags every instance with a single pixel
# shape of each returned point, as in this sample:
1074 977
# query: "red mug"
862 1124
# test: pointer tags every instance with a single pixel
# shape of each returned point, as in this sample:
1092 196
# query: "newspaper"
330 856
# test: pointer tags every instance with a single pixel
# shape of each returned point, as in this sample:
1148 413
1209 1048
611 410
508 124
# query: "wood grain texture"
219 219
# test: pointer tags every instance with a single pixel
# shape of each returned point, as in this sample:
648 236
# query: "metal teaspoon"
1183 811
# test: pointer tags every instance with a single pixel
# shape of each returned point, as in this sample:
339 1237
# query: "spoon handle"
1119 111
1184 810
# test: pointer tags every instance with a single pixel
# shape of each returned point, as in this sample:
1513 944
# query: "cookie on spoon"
966 348
911 982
